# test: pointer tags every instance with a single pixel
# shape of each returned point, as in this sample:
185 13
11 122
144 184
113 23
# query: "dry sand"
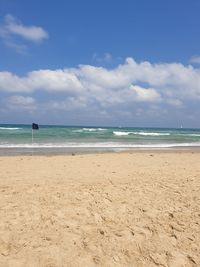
114 209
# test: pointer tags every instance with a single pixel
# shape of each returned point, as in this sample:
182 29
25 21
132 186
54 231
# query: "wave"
101 129
9 128
121 133
99 145
153 134
192 134
89 130
93 129
138 133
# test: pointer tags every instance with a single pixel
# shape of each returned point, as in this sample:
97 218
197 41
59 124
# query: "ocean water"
63 139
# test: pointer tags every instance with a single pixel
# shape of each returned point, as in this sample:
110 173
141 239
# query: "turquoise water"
57 138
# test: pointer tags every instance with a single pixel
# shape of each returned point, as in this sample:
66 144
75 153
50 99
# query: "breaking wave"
139 133
89 130
98 145
9 128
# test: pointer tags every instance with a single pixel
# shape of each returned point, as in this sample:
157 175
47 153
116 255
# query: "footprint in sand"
141 234
177 259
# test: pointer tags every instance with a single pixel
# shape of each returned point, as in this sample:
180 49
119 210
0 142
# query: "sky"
100 63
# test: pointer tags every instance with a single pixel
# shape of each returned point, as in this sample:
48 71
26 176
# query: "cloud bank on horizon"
132 89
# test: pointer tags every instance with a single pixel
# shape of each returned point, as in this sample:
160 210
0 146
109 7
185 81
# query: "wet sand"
113 209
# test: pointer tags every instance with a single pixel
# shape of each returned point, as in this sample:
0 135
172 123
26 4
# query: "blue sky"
131 63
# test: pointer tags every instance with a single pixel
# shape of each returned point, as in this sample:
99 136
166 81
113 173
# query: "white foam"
121 133
101 129
8 128
97 145
90 129
139 133
152 134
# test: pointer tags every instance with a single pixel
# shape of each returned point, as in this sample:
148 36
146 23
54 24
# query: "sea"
51 139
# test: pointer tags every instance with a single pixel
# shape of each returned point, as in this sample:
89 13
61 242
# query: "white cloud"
195 59
33 33
12 83
14 33
20 102
175 102
57 80
127 87
106 57
53 80
19 48
145 95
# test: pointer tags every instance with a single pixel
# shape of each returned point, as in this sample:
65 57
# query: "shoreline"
80 151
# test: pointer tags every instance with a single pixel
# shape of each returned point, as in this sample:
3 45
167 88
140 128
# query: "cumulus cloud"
145 95
50 80
127 88
175 102
159 80
20 102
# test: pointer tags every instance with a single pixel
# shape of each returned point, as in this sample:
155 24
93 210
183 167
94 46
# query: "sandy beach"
113 209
